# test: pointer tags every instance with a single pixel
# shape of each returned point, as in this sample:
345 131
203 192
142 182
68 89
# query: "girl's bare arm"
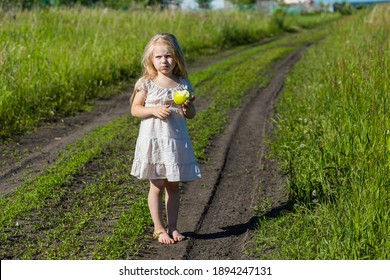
139 110
189 108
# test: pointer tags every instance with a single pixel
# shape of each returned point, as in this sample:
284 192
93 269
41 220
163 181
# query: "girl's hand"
189 108
161 112
188 102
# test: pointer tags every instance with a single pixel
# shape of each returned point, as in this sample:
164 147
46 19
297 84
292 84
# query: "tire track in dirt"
230 216
217 213
46 143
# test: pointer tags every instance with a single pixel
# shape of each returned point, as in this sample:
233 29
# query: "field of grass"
87 206
56 62
332 135
333 143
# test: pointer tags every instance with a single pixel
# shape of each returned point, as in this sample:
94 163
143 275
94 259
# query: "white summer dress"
163 149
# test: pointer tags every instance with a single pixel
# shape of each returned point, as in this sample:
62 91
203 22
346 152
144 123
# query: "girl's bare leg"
172 202
155 207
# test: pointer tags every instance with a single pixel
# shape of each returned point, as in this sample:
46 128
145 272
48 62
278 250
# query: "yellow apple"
181 96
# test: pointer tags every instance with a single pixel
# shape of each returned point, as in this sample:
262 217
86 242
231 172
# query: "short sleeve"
188 85
141 84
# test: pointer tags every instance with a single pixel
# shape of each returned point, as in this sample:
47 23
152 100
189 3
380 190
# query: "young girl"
163 152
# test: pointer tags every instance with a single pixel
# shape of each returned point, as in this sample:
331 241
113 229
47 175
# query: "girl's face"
163 60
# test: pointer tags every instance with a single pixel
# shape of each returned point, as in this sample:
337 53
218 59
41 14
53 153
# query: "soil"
218 214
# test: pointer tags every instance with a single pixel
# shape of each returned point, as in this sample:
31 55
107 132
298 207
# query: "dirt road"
217 213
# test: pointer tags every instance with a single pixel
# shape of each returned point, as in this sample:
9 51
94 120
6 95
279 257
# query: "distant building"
290 6
297 2
269 6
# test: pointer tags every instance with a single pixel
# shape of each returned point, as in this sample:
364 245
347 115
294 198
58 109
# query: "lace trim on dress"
171 172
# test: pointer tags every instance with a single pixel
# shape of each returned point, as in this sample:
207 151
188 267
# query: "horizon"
219 4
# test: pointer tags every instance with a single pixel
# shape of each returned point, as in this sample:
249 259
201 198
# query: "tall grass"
54 62
332 129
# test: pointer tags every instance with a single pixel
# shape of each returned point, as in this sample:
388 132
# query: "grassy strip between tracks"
87 205
333 142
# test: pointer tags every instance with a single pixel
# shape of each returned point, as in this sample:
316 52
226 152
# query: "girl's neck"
166 81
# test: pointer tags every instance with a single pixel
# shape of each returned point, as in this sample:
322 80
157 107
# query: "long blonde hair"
171 42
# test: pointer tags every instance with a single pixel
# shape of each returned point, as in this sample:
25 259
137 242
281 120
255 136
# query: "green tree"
114 4
21 4
204 4
243 2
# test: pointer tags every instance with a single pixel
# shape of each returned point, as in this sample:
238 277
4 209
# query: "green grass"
87 206
55 62
332 129
65 212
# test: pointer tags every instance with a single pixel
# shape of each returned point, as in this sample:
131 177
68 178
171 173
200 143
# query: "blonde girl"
163 153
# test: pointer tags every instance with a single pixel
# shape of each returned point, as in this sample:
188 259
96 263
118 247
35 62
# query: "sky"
218 4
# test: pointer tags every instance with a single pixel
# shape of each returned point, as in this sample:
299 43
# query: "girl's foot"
163 237
177 236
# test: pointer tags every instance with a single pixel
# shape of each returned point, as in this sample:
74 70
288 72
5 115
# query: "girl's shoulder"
142 83
187 84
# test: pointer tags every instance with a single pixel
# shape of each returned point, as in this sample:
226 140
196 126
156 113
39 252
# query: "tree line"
113 4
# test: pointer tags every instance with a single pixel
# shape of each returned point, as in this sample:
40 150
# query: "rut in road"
240 177
230 216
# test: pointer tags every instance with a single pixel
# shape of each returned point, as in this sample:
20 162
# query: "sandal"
156 235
